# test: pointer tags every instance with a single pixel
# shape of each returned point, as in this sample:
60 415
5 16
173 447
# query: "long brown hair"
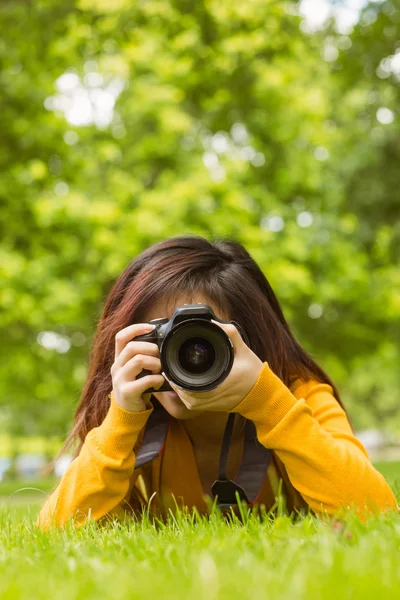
222 270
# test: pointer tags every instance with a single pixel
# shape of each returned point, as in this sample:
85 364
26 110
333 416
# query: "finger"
183 394
132 348
139 386
189 405
126 334
173 385
207 397
135 366
231 331
180 391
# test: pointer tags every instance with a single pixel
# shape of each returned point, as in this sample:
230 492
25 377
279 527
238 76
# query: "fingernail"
148 327
173 385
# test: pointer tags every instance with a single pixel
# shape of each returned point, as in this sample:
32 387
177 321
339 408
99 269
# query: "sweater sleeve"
98 480
312 436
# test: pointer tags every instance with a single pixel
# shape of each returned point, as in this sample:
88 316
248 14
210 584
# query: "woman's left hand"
244 373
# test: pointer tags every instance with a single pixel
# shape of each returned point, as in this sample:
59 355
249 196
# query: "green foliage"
228 123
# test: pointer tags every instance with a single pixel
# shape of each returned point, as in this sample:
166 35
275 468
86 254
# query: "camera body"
195 353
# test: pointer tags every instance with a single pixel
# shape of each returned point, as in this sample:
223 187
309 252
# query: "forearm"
323 459
89 489
97 481
328 470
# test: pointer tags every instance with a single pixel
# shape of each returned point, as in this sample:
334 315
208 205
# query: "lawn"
199 559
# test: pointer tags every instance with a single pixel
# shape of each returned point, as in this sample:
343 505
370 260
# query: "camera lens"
196 355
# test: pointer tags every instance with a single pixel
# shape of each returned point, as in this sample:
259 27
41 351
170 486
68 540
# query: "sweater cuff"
120 429
268 401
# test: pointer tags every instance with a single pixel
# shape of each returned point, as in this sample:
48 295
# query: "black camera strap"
252 471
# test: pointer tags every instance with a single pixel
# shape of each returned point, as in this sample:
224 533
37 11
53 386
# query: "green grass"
194 558
13 488
391 472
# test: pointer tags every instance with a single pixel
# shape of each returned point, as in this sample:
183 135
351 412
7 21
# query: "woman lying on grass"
316 461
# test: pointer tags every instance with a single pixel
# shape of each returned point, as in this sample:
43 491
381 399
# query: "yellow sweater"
317 461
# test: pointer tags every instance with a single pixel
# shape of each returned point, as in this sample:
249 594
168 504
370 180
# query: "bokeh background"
272 122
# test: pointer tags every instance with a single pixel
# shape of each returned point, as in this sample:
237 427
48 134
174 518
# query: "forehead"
166 307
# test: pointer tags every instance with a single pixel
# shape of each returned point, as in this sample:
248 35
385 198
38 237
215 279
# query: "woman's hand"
245 371
130 359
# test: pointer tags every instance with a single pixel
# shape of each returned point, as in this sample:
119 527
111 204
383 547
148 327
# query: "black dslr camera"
195 354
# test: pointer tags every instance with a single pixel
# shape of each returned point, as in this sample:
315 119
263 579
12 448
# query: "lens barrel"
197 354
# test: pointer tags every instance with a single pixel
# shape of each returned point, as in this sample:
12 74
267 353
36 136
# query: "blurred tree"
364 97
227 122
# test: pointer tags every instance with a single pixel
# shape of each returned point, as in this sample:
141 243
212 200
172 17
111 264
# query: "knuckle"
123 392
116 381
137 360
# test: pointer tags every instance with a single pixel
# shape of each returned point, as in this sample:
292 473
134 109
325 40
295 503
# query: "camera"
195 354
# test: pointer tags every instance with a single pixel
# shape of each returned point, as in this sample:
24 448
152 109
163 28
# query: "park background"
274 123
124 122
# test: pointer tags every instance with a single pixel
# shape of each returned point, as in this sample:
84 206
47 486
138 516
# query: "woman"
317 462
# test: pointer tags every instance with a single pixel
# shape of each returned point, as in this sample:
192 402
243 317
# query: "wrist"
134 406
137 406
268 401
119 431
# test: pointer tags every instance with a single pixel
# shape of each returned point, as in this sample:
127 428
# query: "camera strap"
252 471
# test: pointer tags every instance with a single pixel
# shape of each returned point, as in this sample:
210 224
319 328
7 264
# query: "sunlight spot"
258 159
88 101
272 222
330 52
70 137
304 219
54 341
220 142
210 160
385 115
315 311
61 188
321 153
239 133
248 152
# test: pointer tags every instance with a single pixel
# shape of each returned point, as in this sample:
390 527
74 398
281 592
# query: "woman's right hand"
130 359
